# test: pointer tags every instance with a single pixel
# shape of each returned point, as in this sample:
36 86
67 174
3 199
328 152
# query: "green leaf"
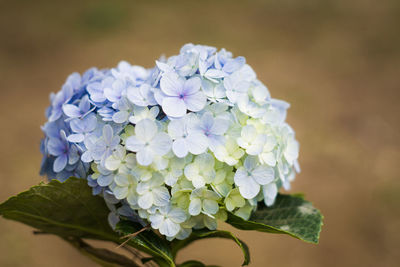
201 234
291 215
65 209
70 210
148 240
195 264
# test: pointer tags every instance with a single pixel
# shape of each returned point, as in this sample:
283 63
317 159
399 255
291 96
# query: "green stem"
102 256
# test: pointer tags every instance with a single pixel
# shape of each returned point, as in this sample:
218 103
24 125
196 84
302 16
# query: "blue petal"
60 163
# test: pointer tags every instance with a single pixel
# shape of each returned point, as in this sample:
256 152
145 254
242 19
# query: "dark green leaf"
70 210
290 215
200 234
147 240
65 209
194 264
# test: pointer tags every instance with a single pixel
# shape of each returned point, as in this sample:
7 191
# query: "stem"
130 236
102 256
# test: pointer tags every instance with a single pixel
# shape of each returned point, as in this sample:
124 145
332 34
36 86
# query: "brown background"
336 62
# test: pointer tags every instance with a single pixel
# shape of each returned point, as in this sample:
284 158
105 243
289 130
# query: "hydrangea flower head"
178 145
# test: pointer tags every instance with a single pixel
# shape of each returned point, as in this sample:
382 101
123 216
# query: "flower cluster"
176 146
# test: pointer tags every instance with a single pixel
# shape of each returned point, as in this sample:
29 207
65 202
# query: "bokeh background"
336 61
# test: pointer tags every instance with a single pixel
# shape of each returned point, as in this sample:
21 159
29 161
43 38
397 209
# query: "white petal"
174 107
134 144
144 156
146 129
161 144
192 86
249 132
250 163
249 189
268 158
160 196
292 151
171 84
270 191
214 74
263 174
177 215
197 143
257 145
179 148
176 128
145 201
220 126
198 181
169 228
196 102
195 207
170 179
156 220
241 177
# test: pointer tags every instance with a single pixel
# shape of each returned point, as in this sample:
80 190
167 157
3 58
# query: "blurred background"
336 61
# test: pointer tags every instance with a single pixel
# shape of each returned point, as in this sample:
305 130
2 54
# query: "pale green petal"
191 171
195 207
112 163
210 206
120 192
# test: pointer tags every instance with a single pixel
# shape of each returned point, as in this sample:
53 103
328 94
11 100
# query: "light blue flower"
63 151
203 200
103 176
180 95
167 220
96 188
77 112
58 100
186 64
127 72
236 87
225 65
142 96
99 149
106 112
115 93
251 176
148 142
213 129
185 139
82 127
124 111
96 90
205 55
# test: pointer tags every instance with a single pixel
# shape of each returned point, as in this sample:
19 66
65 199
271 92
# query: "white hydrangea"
184 162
